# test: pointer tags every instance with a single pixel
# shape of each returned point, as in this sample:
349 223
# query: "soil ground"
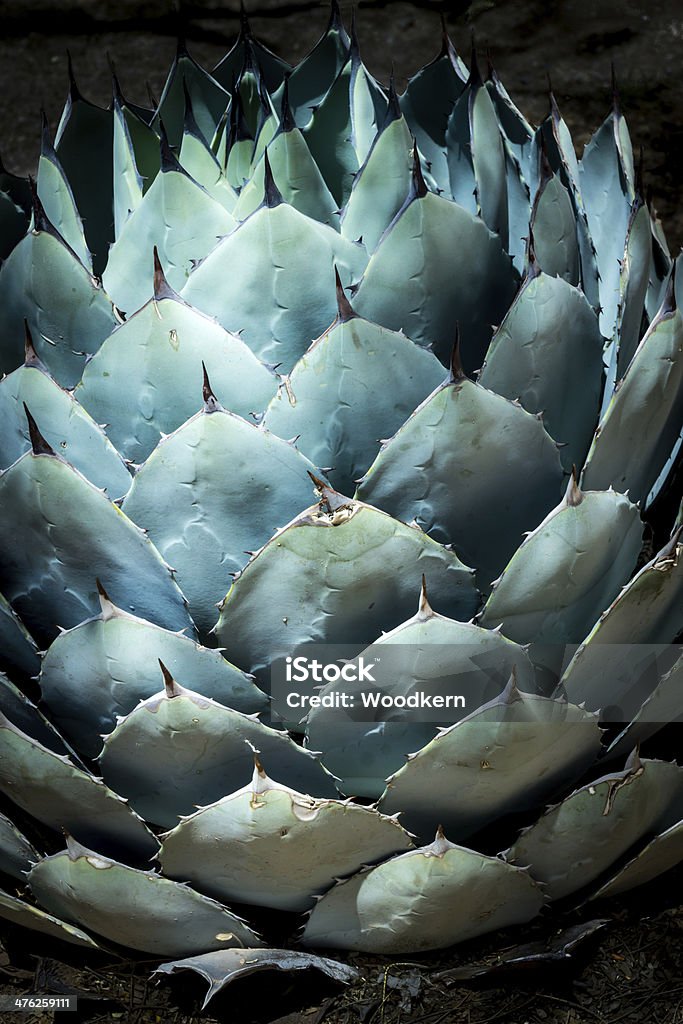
631 970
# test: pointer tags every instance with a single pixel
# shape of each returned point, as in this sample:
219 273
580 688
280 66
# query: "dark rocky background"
573 41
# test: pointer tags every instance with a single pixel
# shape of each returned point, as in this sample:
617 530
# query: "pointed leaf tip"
170 685
419 186
329 498
533 268
271 193
457 372
475 80
394 112
424 609
169 161
31 357
38 442
162 289
40 218
74 91
211 403
345 310
574 494
287 122
245 27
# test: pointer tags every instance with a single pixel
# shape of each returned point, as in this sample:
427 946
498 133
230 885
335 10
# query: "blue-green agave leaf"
270 846
553 136
23 713
519 135
312 78
476 156
84 144
44 284
58 532
202 165
511 755
62 796
58 200
18 650
633 285
423 899
252 281
129 185
17 911
382 183
142 141
367 104
296 176
328 134
663 707
432 471
167 341
548 354
568 569
438 265
356 384
177 216
69 429
191 495
643 421
661 854
606 177
196 752
104 667
134 908
577 840
15 209
340 572
427 104
209 98
613 665
272 67
553 226
428 654
16 853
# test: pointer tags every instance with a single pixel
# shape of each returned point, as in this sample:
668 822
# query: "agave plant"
213 311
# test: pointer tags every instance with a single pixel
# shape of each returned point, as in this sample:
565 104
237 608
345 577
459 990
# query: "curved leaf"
356 384
548 354
644 419
339 573
438 265
252 281
134 908
58 532
69 429
178 217
424 899
575 841
509 756
455 467
167 341
197 751
52 789
43 283
192 493
120 652
270 846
